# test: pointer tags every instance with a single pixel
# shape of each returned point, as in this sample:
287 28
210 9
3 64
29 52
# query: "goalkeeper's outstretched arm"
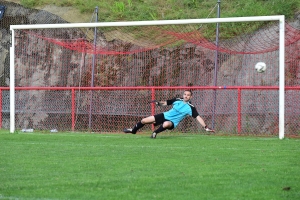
162 103
159 103
201 121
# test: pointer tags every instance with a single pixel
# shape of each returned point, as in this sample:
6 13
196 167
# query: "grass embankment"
138 10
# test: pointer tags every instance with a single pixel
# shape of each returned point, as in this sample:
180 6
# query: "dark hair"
189 91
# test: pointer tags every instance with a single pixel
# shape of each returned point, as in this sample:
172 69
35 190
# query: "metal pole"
216 66
93 69
12 83
281 76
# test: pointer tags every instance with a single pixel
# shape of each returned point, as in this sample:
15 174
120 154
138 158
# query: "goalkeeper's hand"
208 129
156 102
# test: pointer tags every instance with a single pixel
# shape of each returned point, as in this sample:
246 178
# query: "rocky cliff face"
16 14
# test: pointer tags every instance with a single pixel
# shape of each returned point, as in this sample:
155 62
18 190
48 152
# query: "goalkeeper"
170 119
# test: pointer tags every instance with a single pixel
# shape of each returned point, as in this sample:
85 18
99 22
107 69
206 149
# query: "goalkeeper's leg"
166 125
147 120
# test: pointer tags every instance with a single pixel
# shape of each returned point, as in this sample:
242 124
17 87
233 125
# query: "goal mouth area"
154 53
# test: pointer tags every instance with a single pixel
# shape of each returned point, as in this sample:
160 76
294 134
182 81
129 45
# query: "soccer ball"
260 67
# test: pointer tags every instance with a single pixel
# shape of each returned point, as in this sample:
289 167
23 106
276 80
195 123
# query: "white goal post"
279 18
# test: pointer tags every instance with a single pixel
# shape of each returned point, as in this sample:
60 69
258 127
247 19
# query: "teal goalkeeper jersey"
179 111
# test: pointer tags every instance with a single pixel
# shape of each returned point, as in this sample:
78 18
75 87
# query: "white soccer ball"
260 67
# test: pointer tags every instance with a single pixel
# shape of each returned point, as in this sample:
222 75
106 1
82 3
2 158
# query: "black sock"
160 129
137 127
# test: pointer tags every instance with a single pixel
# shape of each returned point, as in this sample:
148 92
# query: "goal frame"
279 18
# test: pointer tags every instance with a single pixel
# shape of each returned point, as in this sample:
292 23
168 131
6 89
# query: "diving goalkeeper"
170 119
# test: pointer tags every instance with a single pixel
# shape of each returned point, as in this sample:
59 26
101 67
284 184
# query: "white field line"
22 198
113 135
104 145
156 146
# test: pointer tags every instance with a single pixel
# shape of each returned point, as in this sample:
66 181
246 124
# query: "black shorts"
160 118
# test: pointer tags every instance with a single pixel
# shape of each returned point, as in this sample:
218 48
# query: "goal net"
100 76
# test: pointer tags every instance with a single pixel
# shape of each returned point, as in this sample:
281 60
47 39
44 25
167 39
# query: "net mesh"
150 57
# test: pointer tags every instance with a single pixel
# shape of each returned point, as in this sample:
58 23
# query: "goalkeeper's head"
187 95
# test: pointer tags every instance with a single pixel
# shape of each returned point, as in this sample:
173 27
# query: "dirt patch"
14 1
69 14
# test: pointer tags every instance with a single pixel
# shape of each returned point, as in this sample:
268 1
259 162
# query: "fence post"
152 105
0 108
239 110
73 109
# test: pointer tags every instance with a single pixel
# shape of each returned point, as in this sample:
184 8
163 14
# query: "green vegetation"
173 166
143 10
138 10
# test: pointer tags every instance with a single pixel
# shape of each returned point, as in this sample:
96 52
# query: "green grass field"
173 166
